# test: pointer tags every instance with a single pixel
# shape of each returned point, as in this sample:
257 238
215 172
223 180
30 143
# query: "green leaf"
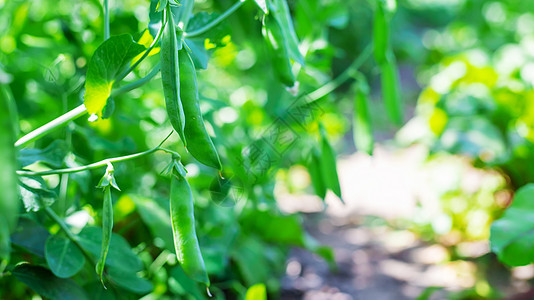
108 62
63 257
199 55
283 15
262 5
31 236
44 283
156 218
35 193
256 292
129 281
328 164
120 254
53 155
512 236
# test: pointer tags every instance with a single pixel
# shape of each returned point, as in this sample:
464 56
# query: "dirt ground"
377 260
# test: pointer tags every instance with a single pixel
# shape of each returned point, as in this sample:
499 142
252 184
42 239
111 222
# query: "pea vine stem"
98 164
216 21
349 72
106 19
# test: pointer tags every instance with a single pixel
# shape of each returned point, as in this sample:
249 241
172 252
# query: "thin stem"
145 55
56 123
79 111
106 19
137 83
338 81
67 231
215 22
96 165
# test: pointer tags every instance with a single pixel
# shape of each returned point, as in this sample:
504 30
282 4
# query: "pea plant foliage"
120 197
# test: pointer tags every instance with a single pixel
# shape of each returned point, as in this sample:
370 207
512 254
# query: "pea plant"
213 227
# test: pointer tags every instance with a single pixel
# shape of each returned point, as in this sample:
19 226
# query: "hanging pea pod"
170 76
183 228
362 128
107 181
391 90
9 195
199 143
328 164
314 168
278 45
381 41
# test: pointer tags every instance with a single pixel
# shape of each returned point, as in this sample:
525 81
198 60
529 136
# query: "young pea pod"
381 32
278 45
199 143
314 168
170 76
183 228
328 164
9 195
362 129
391 89
107 181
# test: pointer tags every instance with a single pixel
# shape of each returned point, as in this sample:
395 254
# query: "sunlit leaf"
256 292
107 63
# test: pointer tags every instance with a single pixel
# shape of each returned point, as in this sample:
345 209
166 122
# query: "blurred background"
417 213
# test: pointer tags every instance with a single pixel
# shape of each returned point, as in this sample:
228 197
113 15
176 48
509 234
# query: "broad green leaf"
283 15
512 236
52 155
35 193
98 292
9 198
63 257
262 5
362 130
44 283
183 285
328 164
120 254
109 60
129 281
248 255
391 92
199 55
31 236
256 292
156 218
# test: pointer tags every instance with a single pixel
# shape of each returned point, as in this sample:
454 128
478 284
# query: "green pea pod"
278 45
391 89
362 130
170 76
314 168
9 195
328 164
199 143
381 32
183 228
107 181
